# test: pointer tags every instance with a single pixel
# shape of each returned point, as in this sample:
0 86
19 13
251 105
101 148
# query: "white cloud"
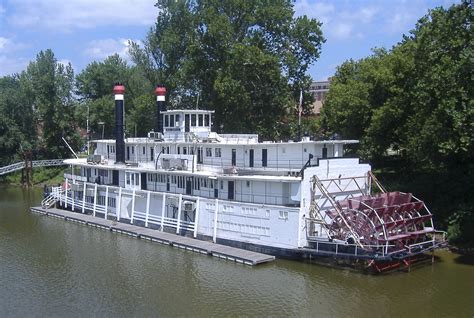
365 15
402 21
342 30
64 15
341 22
11 65
100 49
3 43
10 62
319 10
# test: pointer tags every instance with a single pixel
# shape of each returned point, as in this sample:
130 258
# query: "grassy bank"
40 176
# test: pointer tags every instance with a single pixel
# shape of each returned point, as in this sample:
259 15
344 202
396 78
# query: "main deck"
204 247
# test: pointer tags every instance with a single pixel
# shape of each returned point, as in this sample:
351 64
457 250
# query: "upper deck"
189 144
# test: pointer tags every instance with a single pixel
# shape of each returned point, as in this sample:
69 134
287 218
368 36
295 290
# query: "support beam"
133 206
179 213
84 198
163 212
73 196
147 208
95 199
214 237
66 191
60 198
119 204
196 217
106 202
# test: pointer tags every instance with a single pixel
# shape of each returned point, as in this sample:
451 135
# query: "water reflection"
51 267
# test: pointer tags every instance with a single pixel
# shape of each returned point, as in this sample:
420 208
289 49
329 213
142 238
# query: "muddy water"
49 267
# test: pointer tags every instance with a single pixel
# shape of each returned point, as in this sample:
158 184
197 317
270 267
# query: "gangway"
53 197
36 163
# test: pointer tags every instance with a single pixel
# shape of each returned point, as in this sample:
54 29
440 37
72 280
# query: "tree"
94 87
418 97
17 120
238 57
50 83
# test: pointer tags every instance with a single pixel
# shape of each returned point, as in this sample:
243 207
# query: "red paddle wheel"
397 222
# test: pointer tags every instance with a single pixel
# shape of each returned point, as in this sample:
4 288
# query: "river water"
49 267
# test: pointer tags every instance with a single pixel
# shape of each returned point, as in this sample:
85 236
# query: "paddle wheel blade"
397 221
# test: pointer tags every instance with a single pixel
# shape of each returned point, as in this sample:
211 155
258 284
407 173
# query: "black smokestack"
119 91
160 92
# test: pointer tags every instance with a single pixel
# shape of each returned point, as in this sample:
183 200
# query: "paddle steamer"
298 199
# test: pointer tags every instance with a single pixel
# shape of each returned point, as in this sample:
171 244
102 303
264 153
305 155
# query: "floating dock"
217 250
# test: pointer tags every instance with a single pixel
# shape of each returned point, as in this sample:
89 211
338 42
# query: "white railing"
12 168
53 197
66 200
338 248
37 163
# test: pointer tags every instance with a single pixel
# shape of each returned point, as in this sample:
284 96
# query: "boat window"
185 150
208 152
201 120
193 120
172 120
218 152
186 123
264 157
283 215
176 119
167 120
206 120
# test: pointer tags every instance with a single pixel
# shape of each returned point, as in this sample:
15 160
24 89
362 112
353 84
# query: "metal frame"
347 208
37 163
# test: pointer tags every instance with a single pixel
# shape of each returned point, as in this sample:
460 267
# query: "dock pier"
209 248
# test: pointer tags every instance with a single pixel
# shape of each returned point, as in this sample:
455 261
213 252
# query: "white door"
132 180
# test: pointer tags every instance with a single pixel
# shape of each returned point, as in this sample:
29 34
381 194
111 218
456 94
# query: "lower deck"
204 247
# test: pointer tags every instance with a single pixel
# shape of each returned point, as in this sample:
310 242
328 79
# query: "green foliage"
417 99
240 57
460 226
17 120
36 110
41 175
94 87
49 84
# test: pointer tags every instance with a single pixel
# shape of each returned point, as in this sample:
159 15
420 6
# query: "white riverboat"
298 199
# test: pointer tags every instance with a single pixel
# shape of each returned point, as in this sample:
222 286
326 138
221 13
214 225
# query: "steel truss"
359 211
37 163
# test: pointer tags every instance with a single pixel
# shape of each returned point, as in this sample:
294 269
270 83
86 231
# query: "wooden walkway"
209 248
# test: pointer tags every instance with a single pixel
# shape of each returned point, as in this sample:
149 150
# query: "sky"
82 31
